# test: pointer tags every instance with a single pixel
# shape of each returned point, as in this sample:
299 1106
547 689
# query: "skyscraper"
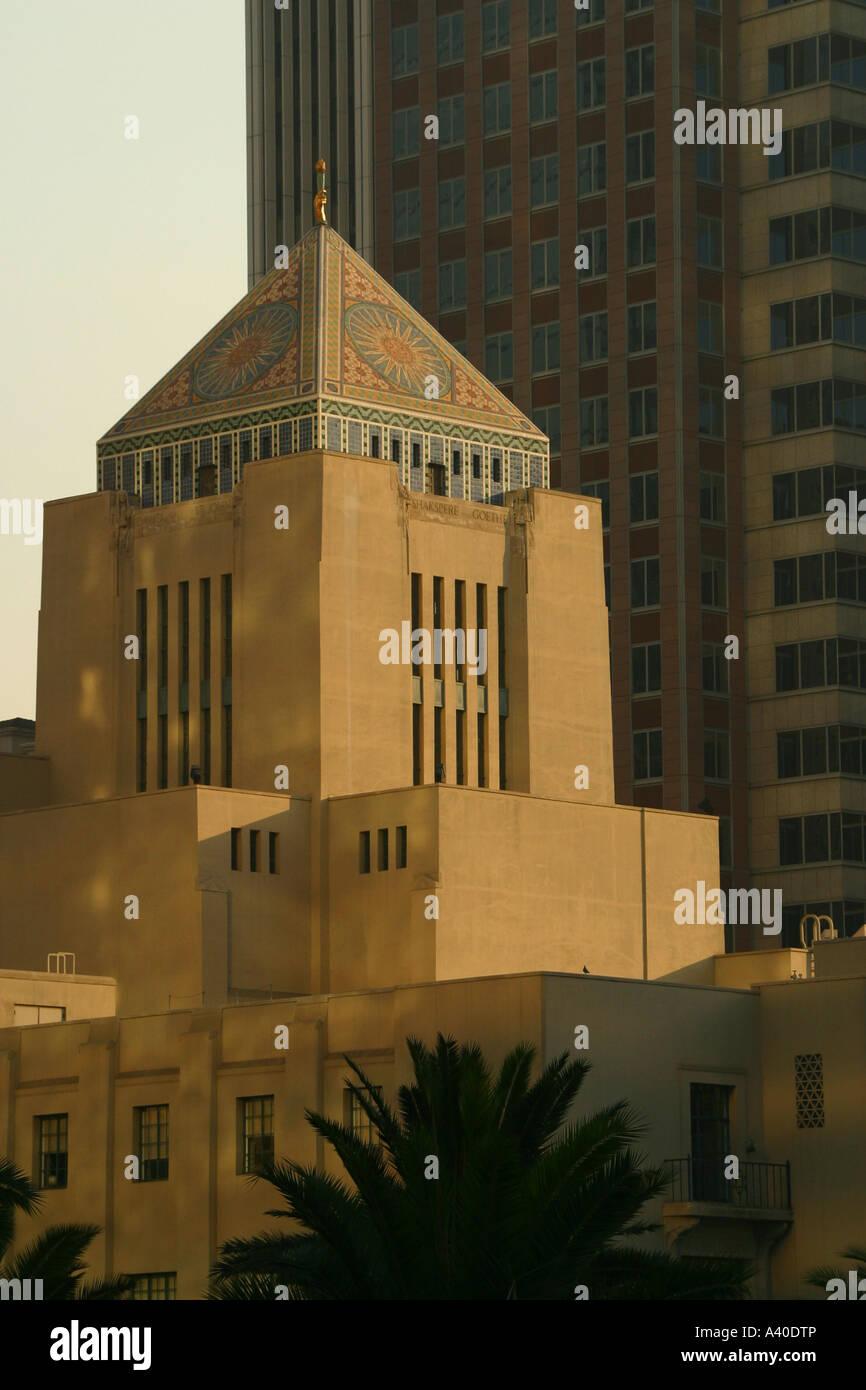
531 201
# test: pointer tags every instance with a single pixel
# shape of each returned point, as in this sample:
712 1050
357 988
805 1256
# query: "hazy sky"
117 254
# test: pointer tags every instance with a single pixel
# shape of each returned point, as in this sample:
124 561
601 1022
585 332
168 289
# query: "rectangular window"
495 25
591 169
544 264
405 132
236 848
449 38
641 326
592 338
141 722
640 70
548 418
594 425
364 852
162 681
643 413
273 852
452 285
382 850
452 120
711 330
591 84
496 108
708 70
640 157
52 1147
499 357
647 760
712 497
404 50
356 1117
497 274
400 847
717 755
545 348
645 582
254 851
640 240
255 1133
543 180
407 213
708 163
711 412
709 242
542 18
407 283
452 203
714 668
497 191
714 582
543 96
594 243
590 12
151 1142
643 497
646 668
155 1288
600 490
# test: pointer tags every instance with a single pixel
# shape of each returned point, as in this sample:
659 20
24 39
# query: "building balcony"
744 1217
759 1187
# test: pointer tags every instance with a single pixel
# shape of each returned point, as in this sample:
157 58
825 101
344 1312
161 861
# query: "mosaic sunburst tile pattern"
324 334
245 351
397 351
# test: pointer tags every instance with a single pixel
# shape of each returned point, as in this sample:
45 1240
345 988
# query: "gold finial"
321 196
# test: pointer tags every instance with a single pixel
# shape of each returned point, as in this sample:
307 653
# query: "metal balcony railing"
766 1186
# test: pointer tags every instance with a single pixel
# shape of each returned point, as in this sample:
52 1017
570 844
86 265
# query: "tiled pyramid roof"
325 335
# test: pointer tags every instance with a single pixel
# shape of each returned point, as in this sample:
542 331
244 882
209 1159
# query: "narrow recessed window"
273 852
401 846
254 851
364 852
149 1288
236 848
53 1149
255 1133
151 1142
382 849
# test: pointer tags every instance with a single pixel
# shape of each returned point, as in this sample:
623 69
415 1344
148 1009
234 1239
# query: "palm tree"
55 1256
856 1255
476 1189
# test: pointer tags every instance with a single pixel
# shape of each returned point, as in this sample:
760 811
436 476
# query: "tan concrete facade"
295 661
647 1042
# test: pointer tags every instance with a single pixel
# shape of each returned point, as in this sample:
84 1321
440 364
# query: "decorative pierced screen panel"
809 1090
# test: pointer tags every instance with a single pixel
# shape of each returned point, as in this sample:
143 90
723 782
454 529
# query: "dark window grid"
257 1132
152 1142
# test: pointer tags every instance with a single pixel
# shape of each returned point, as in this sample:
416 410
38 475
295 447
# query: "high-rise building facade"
635 296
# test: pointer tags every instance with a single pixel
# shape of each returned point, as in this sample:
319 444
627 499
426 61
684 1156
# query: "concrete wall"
82 996
66 873
648 1041
25 781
